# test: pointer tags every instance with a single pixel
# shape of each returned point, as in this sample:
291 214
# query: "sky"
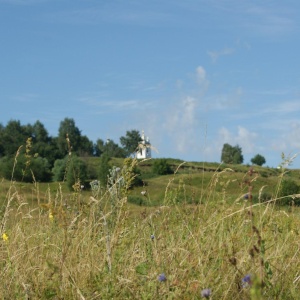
192 74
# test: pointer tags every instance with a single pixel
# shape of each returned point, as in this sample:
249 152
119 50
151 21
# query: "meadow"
204 232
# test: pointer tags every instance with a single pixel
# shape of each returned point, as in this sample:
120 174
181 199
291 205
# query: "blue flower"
206 293
152 237
246 196
246 281
162 277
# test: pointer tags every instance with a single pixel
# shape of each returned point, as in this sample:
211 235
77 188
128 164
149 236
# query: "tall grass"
95 245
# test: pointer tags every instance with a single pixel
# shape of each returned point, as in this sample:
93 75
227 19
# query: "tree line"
45 155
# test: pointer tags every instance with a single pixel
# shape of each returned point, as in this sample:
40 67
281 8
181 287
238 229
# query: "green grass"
194 226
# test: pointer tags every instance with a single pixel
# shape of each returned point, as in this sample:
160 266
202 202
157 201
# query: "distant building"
144 150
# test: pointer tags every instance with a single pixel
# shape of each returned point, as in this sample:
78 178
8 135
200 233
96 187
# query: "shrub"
25 168
161 167
59 169
288 188
76 173
137 200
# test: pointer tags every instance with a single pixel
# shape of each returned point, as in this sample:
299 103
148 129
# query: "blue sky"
193 74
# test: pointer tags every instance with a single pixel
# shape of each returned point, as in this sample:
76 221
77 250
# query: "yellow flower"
5 237
51 216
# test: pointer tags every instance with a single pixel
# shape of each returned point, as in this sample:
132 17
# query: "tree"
104 168
13 136
26 170
76 173
68 129
258 160
130 142
110 148
232 154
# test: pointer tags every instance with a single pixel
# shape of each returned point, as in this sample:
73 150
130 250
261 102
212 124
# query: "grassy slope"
101 247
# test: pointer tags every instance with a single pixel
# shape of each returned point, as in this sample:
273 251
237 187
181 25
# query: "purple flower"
246 196
162 277
246 281
152 237
206 293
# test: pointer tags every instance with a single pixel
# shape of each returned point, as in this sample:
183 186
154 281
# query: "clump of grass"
96 245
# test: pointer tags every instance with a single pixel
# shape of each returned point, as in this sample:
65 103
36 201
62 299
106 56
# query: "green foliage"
59 169
288 188
137 200
76 172
26 169
104 168
258 160
161 167
130 141
109 148
232 154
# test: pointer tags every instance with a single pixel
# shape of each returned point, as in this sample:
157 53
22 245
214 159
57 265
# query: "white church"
144 148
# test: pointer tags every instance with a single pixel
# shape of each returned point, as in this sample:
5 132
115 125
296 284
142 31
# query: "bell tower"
144 149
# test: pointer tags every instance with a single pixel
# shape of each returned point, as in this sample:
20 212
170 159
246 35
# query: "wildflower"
51 216
246 196
206 293
246 281
162 277
5 237
152 237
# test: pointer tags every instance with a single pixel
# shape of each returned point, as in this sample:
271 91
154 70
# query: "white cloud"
215 55
244 138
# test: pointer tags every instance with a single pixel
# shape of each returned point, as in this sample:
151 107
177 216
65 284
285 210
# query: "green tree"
86 146
232 154
104 168
13 136
68 135
76 172
110 148
37 169
161 167
59 169
258 160
130 141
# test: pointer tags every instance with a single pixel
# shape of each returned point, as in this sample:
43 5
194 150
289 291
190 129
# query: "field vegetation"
207 230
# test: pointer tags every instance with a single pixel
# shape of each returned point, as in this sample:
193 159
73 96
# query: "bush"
137 200
59 169
25 168
161 167
289 187
76 173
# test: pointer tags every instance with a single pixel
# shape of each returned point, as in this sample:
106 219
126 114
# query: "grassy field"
207 231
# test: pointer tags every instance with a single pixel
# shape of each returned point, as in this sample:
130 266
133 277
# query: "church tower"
144 150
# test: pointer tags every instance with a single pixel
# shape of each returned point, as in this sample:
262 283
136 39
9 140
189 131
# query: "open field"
194 232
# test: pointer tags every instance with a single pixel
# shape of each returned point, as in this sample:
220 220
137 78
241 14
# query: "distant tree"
86 147
161 167
76 172
1 140
130 142
110 148
232 154
258 160
13 136
37 168
67 128
104 168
